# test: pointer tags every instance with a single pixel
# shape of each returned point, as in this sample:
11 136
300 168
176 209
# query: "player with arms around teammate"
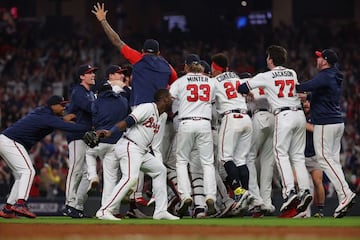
108 109
328 122
235 129
77 182
290 128
195 92
18 139
134 152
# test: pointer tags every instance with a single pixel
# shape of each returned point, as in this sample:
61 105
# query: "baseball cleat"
142 201
184 207
289 213
318 215
347 203
211 210
290 201
151 201
199 212
241 201
73 212
164 215
23 210
225 211
305 200
106 215
6 213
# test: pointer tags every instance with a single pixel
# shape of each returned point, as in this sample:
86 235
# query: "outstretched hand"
103 133
100 11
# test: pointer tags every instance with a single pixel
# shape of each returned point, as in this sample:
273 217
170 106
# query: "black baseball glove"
91 139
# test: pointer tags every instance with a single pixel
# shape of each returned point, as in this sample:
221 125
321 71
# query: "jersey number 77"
290 83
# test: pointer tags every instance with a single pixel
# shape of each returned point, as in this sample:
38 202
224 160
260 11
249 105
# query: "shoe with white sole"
184 207
106 215
344 206
164 215
94 182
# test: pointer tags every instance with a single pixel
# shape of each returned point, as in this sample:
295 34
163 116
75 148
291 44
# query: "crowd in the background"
34 66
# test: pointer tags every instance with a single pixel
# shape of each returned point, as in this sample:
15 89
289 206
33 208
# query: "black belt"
243 111
295 108
261 110
194 118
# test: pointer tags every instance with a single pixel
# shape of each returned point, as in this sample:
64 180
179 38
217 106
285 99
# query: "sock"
244 176
20 201
232 175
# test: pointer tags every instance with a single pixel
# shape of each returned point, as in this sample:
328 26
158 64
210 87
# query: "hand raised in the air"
100 11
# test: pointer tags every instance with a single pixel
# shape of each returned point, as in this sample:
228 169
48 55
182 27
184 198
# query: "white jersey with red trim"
146 125
227 97
279 84
195 91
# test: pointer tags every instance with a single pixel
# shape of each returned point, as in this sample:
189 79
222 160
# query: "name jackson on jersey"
282 74
226 75
150 123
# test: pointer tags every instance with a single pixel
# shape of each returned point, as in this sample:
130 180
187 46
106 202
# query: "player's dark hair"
221 60
159 94
278 54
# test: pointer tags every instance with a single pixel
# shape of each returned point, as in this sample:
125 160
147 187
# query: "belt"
194 118
243 111
261 110
294 108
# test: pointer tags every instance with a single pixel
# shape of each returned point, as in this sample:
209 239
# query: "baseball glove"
91 139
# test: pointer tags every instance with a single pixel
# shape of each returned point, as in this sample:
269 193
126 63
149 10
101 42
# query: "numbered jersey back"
279 85
195 93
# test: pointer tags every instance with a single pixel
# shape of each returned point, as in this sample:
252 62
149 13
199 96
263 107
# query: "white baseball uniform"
236 127
134 154
195 92
261 151
290 125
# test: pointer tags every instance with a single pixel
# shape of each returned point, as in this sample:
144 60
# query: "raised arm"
100 13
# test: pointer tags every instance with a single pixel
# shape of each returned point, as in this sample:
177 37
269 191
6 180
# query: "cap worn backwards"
113 69
55 99
86 68
329 55
151 46
192 59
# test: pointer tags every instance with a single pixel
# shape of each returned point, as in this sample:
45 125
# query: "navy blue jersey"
108 109
326 92
309 147
80 104
37 124
149 74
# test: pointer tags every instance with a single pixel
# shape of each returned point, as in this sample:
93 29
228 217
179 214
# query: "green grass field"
271 224
350 221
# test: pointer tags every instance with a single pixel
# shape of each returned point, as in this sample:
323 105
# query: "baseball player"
235 129
195 92
262 151
150 71
116 77
77 182
18 139
289 133
107 109
328 122
134 152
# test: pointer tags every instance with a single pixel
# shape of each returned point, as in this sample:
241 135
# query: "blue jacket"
149 74
326 92
37 124
80 104
108 109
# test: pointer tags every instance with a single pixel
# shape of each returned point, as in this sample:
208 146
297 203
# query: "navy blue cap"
55 99
192 59
329 55
151 46
207 68
86 68
113 69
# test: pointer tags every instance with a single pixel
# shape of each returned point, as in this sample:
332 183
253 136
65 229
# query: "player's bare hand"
69 117
99 11
103 133
302 96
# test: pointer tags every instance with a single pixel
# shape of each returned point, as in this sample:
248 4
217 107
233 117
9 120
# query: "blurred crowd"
35 65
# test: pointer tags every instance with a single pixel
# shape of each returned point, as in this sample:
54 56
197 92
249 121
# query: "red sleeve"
131 54
173 75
